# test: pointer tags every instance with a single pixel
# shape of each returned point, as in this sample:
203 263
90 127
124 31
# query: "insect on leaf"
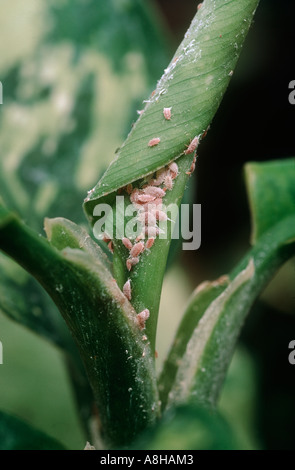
192 85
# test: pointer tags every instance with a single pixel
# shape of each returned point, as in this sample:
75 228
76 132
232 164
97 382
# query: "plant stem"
201 369
118 363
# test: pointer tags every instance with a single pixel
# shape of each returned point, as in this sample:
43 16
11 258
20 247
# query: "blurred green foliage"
16 435
73 76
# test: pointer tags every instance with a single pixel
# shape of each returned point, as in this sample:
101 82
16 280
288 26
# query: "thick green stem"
147 277
200 300
117 361
192 88
200 371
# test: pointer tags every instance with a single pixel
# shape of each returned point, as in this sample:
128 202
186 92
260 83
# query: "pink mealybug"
149 178
149 243
191 170
205 132
131 262
160 175
147 218
154 141
158 203
106 238
193 166
168 182
152 232
140 237
154 205
173 168
142 317
137 249
167 113
155 192
127 289
160 215
192 146
145 198
127 243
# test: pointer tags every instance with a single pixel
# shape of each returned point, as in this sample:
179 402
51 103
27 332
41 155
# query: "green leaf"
15 434
203 366
200 300
39 316
22 300
199 374
63 233
189 427
271 193
206 338
71 85
192 86
61 86
62 81
101 319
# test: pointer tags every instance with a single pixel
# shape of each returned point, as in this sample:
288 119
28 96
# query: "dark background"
255 122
